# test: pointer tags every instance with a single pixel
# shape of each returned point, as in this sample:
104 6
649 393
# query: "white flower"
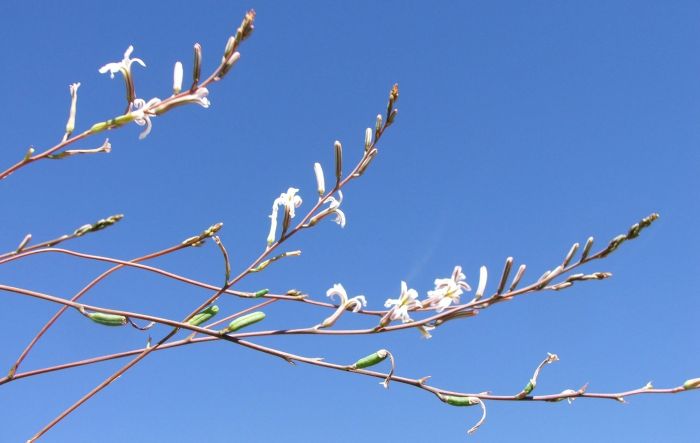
70 125
407 301
123 66
199 97
289 200
333 208
273 224
354 304
448 290
142 112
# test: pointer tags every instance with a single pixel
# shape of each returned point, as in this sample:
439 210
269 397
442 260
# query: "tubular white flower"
177 77
407 301
70 125
199 97
447 290
123 66
273 225
333 207
142 112
289 200
354 304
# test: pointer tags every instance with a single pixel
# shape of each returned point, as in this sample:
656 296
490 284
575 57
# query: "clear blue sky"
523 127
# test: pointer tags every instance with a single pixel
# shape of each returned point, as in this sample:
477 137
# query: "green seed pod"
371 360
99 127
460 401
244 321
693 383
529 387
204 315
107 319
261 292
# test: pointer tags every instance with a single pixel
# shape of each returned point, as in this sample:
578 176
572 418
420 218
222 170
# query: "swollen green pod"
529 387
244 321
371 360
460 401
204 315
107 319
261 292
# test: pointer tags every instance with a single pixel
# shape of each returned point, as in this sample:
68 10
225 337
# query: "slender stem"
178 277
77 296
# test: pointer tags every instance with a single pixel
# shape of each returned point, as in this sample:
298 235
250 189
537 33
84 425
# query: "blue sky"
523 127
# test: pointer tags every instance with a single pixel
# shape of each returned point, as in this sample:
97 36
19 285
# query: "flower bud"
177 78
197 66
320 179
483 277
693 383
338 160
586 249
368 139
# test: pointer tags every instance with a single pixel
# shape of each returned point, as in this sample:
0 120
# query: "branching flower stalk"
139 110
407 311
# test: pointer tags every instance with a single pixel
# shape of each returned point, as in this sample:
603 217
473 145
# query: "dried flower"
447 290
407 301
